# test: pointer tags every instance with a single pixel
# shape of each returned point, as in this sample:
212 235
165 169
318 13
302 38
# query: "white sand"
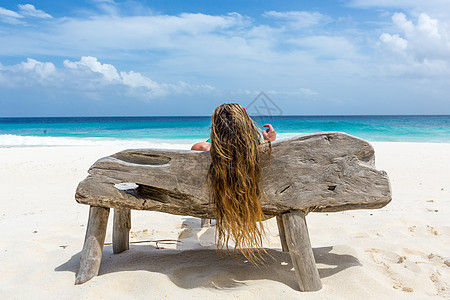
400 251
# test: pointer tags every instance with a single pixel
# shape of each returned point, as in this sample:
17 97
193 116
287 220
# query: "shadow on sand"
206 268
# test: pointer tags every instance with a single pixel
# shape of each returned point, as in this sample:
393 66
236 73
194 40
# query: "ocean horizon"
181 131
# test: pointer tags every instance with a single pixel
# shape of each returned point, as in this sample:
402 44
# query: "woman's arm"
269 134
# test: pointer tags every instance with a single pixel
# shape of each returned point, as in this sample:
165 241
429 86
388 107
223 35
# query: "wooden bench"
323 172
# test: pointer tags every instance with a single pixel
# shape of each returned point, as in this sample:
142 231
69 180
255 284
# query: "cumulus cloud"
135 79
402 23
43 70
27 72
202 47
435 8
89 63
31 11
394 42
88 74
188 35
231 51
424 45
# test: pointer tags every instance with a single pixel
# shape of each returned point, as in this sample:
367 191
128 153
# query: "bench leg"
91 254
297 238
282 234
121 230
205 223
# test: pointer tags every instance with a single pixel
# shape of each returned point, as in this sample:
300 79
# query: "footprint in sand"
374 250
437 259
388 260
431 230
441 286
403 288
141 233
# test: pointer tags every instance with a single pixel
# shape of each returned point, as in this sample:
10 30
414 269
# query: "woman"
235 177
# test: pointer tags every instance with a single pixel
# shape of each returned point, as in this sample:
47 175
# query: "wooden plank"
297 238
121 230
318 172
91 255
282 234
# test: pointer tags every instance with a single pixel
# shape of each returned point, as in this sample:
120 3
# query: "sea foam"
10 140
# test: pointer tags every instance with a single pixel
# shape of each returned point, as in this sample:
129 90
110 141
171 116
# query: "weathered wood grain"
282 233
318 172
297 238
121 230
91 255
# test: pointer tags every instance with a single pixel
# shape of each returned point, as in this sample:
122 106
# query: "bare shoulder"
202 146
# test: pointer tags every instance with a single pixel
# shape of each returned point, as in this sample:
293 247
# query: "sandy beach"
401 251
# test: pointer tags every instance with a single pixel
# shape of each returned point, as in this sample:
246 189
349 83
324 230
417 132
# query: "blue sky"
138 58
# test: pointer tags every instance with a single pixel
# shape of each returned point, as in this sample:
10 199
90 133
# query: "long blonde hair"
235 180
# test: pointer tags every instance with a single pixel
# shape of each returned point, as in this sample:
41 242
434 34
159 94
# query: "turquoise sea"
157 131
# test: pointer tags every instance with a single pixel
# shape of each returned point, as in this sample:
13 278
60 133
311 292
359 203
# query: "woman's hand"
269 134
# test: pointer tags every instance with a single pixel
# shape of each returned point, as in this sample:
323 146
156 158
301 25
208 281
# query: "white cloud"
25 10
9 16
107 33
108 71
230 51
43 70
394 42
134 79
299 19
204 46
428 27
435 8
87 75
27 73
107 6
405 25
31 11
424 44
35 70
9 13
